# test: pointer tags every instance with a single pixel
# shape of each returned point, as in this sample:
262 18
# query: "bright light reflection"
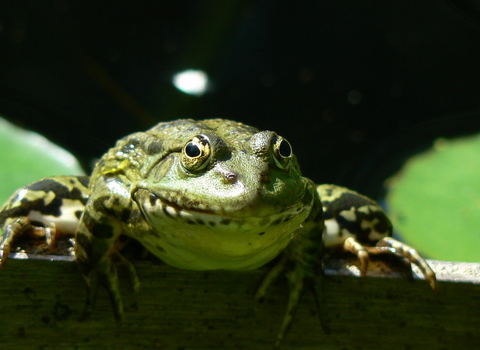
192 82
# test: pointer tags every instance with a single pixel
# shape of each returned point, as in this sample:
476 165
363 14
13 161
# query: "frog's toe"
115 299
269 280
388 245
298 278
12 231
410 254
353 246
51 235
4 251
20 226
106 275
131 271
5 247
297 285
298 281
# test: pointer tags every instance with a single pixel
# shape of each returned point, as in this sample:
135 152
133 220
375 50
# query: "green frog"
203 195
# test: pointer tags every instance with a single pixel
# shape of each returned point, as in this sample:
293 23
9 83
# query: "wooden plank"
42 301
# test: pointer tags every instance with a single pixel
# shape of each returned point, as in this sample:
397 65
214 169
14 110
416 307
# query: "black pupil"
192 150
284 149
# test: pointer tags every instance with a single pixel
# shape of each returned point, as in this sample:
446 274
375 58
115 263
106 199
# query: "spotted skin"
352 215
357 224
48 208
203 195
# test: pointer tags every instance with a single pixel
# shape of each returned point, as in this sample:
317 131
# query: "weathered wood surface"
41 304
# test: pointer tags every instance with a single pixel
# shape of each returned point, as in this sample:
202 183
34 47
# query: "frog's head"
220 194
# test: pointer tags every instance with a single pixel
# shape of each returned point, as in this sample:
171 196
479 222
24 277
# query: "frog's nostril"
230 178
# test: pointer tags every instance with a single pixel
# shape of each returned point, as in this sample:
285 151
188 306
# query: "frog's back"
225 128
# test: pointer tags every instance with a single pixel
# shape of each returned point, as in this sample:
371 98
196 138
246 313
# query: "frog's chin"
201 240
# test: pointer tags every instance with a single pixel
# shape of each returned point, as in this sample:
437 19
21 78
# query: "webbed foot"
105 274
20 225
391 246
299 278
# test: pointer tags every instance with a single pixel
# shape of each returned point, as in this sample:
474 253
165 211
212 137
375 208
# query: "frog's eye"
282 151
196 153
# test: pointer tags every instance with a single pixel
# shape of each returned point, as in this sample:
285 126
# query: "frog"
211 194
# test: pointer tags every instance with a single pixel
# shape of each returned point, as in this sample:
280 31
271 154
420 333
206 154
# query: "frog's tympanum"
202 195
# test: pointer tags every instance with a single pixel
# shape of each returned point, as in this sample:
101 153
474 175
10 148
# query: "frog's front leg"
95 258
301 263
106 216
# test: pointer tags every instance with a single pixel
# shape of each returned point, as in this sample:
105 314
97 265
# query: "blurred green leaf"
27 156
434 202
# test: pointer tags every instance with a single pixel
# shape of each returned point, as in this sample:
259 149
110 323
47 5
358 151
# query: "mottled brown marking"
265 222
153 199
277 222
125 215
226 221
154 147
98 229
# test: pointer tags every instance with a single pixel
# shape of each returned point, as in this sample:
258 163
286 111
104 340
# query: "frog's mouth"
204 239
156 207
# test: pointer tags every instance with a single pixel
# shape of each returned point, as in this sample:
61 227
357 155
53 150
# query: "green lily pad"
27 156
434 202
